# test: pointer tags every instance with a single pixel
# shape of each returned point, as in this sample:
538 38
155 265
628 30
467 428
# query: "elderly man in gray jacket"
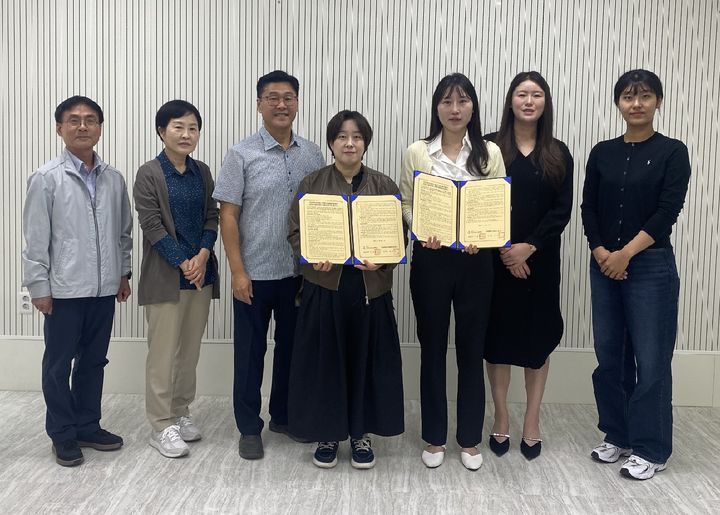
77 259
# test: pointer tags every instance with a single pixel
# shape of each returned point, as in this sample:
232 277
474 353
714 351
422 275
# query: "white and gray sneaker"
637 468
169 442
609 453
188 430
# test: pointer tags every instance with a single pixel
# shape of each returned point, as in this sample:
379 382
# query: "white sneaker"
433 459
188 430
609 453
169 442
471 462
637 468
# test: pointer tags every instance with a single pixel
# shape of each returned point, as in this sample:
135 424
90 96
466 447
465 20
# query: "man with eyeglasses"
77 225
258 180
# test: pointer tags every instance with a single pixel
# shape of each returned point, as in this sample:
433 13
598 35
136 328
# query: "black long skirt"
346 369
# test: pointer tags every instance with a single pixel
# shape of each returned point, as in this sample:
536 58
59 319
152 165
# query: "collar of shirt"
271 142
169 168
446 167
435 146
80 165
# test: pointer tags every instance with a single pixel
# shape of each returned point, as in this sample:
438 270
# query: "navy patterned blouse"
186 192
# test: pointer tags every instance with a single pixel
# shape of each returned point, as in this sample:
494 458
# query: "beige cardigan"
417 158
159 280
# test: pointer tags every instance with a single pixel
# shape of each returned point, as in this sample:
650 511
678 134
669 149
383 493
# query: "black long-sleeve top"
631 187
540 211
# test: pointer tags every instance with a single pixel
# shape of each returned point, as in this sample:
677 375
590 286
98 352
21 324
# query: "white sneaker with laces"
169 443
188 430
637 468
609 453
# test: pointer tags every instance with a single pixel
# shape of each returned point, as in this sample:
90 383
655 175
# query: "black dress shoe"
499 448
100 440
530 451
283 429
67 453
250 447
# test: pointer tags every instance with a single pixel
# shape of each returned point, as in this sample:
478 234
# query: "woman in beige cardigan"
441 277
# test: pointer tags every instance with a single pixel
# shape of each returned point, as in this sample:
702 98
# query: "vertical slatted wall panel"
382 58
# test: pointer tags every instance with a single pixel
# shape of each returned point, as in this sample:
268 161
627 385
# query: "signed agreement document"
324 228
461 213
434 208
484 213
377 229
350 229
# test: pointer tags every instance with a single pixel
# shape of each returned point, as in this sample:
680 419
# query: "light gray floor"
213 479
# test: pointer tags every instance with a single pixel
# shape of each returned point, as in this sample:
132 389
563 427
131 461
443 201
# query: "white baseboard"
696 374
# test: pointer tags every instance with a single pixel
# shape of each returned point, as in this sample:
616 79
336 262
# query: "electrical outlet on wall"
24 303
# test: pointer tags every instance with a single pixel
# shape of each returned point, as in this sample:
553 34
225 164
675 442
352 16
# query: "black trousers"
440 279
250 344
77 335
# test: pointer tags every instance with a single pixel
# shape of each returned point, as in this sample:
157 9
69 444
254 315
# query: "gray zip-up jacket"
73 248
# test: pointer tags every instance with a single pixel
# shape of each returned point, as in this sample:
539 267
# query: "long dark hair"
478 158
548 156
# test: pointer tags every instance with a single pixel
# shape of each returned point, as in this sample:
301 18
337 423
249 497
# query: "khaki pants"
174 333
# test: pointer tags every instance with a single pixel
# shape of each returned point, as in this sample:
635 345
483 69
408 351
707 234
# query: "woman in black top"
525 320
635 187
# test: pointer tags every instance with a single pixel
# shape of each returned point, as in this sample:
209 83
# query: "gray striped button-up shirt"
261 177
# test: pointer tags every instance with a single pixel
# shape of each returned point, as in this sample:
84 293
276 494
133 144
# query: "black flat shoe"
499 448
530 451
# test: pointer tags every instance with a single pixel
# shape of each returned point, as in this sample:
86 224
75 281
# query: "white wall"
382 58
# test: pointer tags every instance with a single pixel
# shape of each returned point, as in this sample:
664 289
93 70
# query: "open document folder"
461 213
349 229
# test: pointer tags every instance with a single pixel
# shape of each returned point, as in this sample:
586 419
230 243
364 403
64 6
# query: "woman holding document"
441 277
346 372
525 320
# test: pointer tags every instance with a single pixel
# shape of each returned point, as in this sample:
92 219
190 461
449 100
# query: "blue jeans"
634 328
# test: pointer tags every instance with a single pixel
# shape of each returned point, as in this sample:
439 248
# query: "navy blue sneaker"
100 440
362 453
325 455
67 453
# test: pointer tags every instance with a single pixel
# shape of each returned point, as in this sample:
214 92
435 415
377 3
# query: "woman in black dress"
346 371
525 320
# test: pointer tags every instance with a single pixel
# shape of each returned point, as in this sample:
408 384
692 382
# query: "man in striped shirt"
258 180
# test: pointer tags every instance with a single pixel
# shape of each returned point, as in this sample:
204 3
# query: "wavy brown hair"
548 156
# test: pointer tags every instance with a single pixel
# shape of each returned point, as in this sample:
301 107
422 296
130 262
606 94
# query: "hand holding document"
351 230
461 213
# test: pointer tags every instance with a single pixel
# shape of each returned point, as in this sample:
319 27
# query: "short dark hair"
635 79
175 109
335 124
277 76
76 100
